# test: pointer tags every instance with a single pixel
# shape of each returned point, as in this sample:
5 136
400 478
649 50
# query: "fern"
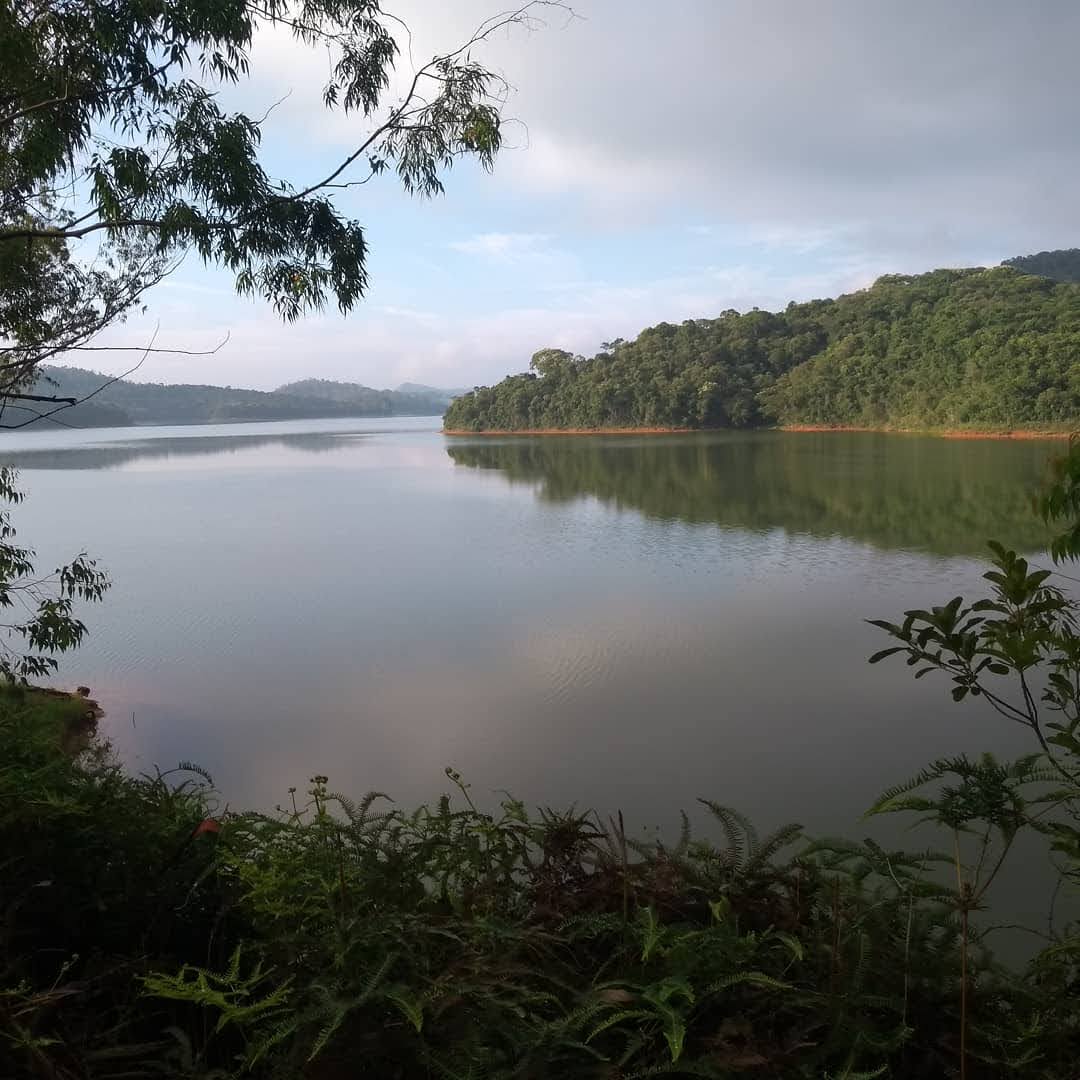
756 978
740 834
774 843
197 770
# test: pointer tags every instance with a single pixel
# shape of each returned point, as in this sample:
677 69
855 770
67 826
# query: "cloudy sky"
676 160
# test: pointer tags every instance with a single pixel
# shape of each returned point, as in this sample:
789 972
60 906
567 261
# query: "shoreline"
938 433
579 431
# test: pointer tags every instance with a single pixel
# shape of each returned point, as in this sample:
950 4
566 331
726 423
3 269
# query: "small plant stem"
625 871
962 900
963 990
836 932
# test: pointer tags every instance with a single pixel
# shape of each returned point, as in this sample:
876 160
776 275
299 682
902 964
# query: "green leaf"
879 656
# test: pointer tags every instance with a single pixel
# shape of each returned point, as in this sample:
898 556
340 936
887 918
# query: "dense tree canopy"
951 348
1061 265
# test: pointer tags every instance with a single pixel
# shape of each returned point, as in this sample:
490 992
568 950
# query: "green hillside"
1060 265
123 403
950 348
408 398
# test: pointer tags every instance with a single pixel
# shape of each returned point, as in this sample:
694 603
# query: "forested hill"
950 348
1061 265
409 397
121 403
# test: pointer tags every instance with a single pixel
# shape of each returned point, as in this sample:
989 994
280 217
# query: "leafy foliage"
951 348
117 158
1061 265
42 607
1018 649
453 941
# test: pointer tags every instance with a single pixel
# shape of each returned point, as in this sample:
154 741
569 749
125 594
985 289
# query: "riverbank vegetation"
151 933
951 349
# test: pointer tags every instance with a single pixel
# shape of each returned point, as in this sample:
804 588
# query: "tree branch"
12 396
484 31
78 401
57 233
107 92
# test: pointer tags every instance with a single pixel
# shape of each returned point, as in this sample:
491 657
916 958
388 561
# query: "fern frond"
740 833
856 1074
757 978
885 802
776 841
618 1018
197 770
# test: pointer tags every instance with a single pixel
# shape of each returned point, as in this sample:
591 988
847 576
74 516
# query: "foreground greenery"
948 349
150 934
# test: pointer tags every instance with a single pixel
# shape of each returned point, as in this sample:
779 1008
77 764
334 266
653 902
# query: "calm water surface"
624 622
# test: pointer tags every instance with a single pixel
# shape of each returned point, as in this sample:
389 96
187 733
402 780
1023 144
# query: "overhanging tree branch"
138 135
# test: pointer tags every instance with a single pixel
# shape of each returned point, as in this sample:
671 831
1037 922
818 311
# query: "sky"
667 161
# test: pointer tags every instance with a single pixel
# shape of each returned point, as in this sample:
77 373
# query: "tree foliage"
117 159
1060 265
1016 648
40 606
117 156
947 349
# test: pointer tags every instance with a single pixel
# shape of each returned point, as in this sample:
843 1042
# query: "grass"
52 716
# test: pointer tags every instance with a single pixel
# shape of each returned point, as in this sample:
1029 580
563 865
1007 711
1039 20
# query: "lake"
613 621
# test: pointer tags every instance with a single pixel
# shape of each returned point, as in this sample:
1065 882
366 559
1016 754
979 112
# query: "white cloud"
788 115
506 247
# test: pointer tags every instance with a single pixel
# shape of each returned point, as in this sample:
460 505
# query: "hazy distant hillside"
408 397
1060 265
370 402
421 388
124 402
951 348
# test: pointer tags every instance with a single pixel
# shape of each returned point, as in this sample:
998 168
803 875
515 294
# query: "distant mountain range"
123 403
420 388
433 399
